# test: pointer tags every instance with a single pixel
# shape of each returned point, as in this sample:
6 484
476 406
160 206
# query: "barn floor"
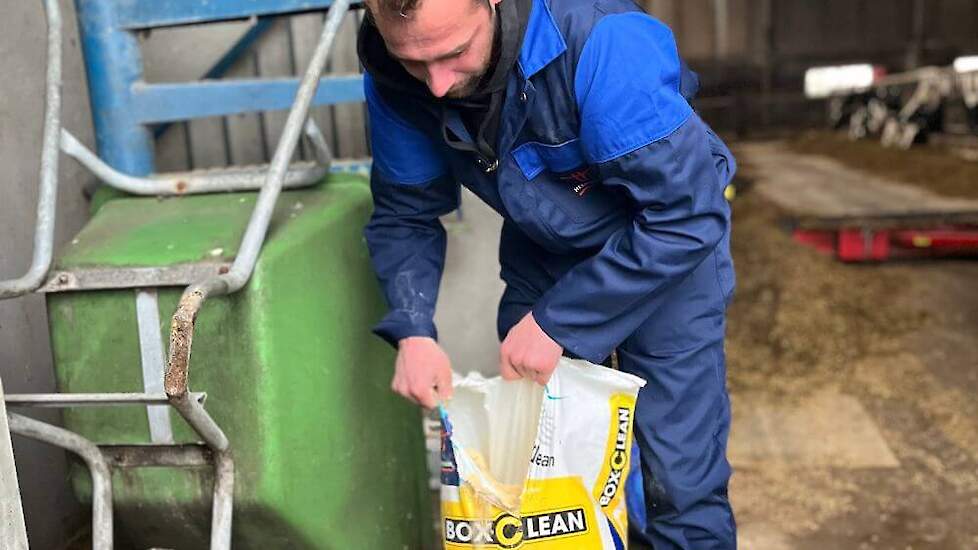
853 385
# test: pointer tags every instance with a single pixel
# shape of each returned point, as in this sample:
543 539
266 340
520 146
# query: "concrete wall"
25 358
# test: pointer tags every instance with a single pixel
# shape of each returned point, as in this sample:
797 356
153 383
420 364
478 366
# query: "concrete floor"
470 289
852 385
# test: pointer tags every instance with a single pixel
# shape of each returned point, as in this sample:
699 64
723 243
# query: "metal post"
222 506
89 452
48 192
13 534
113 65
152 360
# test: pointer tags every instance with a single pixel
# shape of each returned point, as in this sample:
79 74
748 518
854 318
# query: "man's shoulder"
577 19
562 8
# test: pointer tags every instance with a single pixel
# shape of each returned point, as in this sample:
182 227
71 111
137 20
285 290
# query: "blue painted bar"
154 103
241 47
140 14
114 65
230 57
360 167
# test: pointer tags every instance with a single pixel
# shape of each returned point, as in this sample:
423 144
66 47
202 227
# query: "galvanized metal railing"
90 453
48 190
200 181
233 178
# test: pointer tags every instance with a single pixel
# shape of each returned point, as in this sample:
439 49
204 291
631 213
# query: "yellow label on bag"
556 514
609 489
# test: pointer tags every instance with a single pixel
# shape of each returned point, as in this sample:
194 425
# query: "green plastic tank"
325 456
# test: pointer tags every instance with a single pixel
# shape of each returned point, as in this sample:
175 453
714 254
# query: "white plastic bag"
544 468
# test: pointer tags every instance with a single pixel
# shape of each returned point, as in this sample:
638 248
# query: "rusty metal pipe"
48 192
181 338
89 452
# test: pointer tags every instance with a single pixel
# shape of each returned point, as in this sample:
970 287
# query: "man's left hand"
528 352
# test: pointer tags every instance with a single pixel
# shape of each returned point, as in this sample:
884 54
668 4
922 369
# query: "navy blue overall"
616 233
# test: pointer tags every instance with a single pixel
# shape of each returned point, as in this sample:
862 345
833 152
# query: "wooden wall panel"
739 34
275 60
665 10
349 119
695 29
889 25
956 23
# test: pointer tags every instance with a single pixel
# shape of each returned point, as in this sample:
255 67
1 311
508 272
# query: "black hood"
480 110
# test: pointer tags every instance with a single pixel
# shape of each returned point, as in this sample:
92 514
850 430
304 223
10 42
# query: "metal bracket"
104 278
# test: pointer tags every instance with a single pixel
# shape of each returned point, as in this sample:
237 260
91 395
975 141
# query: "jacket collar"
542 42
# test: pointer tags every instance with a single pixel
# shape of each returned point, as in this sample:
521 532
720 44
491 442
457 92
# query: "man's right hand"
423 372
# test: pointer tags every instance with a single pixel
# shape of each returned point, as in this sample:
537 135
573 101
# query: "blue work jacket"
604 173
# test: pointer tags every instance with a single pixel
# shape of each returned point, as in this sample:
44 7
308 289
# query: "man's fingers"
423 390
426 397
402 387
541 378
443 385
421 369
542 370
523 371
506 369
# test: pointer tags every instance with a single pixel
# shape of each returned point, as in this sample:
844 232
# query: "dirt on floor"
901 338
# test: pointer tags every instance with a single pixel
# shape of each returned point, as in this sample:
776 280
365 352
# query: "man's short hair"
402 8
397 7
